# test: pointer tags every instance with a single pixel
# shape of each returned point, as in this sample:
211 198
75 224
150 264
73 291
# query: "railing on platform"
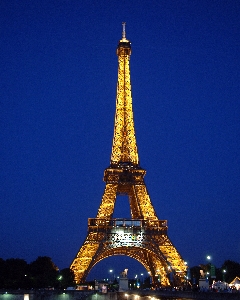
131 223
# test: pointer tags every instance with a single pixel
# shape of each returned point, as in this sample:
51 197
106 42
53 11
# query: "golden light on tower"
143 237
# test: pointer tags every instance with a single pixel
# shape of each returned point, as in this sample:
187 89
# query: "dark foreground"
129 295
164 295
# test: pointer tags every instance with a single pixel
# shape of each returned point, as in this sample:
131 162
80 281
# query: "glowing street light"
111 271
224 272
212 267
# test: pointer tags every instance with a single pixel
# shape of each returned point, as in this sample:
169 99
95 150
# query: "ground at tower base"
93 295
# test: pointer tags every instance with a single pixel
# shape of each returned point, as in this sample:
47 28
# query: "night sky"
58 91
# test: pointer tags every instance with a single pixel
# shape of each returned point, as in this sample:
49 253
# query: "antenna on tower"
124 31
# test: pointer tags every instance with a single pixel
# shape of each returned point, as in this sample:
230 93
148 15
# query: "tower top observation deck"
124 43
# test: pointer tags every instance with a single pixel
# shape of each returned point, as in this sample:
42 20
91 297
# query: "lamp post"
223 273
111 275
208 275
59 279
209 259
187 273
136 282
212 268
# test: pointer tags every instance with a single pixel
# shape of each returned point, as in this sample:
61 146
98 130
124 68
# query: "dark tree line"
16 273
228 271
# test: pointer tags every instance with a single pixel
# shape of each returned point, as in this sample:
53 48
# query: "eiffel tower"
143 237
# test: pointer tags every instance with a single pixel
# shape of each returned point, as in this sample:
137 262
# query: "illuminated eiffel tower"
143 237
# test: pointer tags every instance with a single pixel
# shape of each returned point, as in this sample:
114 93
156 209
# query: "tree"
232 270
2 273
43 273
15 273
195 274
66 278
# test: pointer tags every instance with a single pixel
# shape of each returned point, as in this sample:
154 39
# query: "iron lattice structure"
143 237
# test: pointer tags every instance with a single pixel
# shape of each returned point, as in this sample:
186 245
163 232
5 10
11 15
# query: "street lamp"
209 259
212 268
111 271
207 274
224 272
59 278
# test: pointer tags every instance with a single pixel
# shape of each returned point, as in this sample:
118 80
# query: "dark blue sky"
58 88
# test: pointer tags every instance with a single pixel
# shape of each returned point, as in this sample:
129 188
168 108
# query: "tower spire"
124 30
124 148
